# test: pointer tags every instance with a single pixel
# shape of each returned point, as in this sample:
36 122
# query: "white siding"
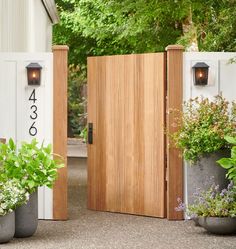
24 26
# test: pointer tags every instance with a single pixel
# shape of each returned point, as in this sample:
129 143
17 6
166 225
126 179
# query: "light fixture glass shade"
34 74
200 74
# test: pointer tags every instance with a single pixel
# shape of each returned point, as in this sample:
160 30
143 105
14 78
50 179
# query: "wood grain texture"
96 115
60 129
126 161
174 101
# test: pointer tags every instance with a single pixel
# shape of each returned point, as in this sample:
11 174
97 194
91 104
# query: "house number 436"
33 114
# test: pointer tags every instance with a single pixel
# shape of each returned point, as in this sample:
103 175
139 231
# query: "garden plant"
12 195
32 166
213 209
230 163
202 126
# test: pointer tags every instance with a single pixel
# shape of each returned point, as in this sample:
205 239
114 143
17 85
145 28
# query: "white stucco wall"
24 26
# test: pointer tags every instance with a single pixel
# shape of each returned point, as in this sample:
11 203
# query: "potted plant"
201 129
214 209
34 166
12 194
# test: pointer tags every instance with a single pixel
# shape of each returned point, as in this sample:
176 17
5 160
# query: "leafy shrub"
12 194
77 114
34 166
202 126
84 134
230 163
212 203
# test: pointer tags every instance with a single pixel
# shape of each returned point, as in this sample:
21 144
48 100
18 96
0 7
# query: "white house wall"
41 28
16 107
13 25
24 26
222 79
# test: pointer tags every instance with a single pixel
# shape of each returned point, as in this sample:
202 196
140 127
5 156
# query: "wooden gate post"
60 129
174 101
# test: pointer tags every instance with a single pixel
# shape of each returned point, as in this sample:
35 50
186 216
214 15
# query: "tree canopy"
98 27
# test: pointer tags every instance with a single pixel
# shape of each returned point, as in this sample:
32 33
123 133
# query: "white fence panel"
16 108
222 79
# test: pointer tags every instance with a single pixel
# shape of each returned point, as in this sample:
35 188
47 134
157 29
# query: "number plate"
33 113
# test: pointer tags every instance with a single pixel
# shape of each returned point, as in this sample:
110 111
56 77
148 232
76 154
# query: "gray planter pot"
198 175
219 225
7 227
27 217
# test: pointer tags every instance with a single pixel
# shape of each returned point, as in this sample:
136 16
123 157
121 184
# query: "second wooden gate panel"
126 166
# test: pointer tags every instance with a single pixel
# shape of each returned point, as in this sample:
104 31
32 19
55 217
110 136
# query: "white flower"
12 194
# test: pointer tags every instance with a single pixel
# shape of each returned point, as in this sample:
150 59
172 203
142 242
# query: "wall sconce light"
34 74
200 74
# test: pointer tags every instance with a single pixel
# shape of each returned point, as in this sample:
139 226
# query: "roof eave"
51 9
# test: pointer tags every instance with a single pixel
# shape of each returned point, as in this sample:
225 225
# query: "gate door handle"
90 133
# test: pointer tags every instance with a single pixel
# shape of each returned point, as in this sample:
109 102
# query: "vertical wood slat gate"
130 168
126 161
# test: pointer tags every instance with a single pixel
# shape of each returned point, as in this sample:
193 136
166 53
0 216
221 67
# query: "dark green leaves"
230 163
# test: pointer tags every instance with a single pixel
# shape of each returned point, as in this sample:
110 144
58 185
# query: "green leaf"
233 152
231 140
11 144
232 170
31 184
226 163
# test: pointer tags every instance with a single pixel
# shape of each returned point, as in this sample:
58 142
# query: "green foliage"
34 166
12 195
77 115
84 134
230 163
212 203
98 27
202 126
218 27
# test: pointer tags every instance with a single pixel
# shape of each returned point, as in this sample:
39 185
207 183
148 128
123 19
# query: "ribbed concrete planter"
27 217
198 175
219 225
7 227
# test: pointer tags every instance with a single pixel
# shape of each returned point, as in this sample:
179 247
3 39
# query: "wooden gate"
126 160
126 115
